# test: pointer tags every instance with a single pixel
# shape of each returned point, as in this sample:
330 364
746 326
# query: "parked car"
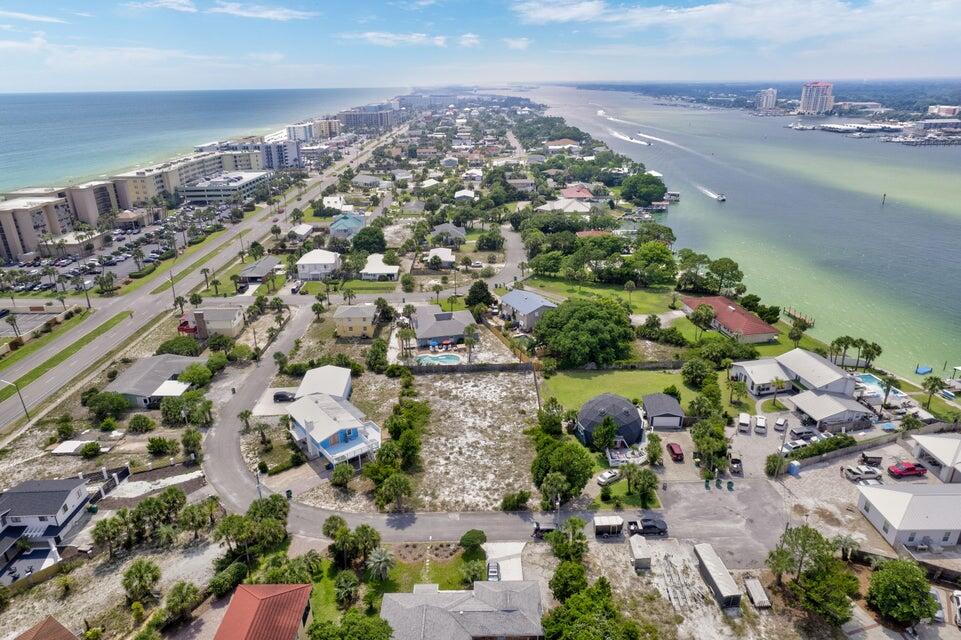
744 423
780 424
760 424
861 472
647 527
735 463
802 433
956 603
871 461
906 470
284 396
540 530
792 446
608 477
939 614
674 450
493 571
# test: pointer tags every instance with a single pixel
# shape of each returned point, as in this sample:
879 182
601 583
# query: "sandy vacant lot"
475 450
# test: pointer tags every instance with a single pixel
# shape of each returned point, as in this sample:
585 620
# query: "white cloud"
29 17
389 39
469 40
518 44
184 6
270 57
544 12
262 12
34 45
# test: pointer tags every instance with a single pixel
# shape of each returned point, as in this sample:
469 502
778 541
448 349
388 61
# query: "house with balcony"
332 428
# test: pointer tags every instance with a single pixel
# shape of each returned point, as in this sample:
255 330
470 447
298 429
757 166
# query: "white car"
760 424
792 446
956 603
780 424
862 472
939 614
608 477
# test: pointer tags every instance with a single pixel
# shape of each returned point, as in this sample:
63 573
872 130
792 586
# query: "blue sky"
69 45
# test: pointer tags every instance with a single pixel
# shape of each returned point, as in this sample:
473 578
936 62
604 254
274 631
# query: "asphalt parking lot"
27 321
743 524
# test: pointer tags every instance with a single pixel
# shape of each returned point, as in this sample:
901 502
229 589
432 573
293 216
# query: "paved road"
142 303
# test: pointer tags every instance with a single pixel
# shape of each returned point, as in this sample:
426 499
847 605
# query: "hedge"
839 441
146 271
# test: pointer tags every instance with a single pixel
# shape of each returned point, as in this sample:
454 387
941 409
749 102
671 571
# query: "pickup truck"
736 465
906 469
540 530
871 461
647 527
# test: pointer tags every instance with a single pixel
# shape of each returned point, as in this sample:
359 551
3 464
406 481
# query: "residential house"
473 175
940 453
259 271
449 162
566 205
562 145
444 254
376 269
464 195
732 319
402 175
449 234
627 417
42 512
524 307
328 379
333 428
47 629
337 201
524 185
365 181
301 231
346 225
914 514
318 264
661 411
149 380
577 192
536 158
831 412
428 183
213 320
355 321
267 612
504 610
434 326
799 368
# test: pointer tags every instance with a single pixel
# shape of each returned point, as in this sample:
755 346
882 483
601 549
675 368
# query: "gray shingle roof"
621 409
37 497
451 230
366 311
492 609
431 322
524 302
261 268
145 375
661 404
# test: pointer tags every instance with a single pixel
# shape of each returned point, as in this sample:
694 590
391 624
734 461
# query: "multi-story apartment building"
374 116
766 99
224 187
28 222
326 128
302 131
944 110
139 186
816 98
276 154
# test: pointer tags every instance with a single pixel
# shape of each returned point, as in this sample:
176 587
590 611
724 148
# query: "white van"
744 423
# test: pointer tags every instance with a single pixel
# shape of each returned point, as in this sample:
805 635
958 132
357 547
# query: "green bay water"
803 215
57 138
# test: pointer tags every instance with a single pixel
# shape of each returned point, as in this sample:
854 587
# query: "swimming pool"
875 386
445 358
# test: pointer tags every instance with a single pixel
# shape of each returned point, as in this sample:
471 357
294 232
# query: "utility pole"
22 403
172 287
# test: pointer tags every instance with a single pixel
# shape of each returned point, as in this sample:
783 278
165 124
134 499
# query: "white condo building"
766 99
816 98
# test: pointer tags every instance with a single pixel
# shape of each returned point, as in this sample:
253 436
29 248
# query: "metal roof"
261 268
146 375
724 584
334 381
917 507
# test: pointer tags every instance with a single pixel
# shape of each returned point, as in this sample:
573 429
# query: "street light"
17 387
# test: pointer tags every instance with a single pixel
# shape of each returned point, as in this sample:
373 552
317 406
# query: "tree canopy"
581 331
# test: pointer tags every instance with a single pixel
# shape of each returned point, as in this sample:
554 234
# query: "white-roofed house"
802 369
914 514
464 195
301 231
524 307
830 411
444 254
377 269
328 379
148 380
332 428
566 205
941 454
318 264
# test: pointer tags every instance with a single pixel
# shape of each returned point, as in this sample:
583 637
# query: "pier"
794 314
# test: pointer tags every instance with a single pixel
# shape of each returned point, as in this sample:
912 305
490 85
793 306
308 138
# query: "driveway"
508 556
678 471
267 407
743 524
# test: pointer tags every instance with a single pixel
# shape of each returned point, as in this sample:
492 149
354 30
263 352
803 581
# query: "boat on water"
721 197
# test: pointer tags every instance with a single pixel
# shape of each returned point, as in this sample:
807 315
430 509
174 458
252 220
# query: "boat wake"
667 142
626 138
707 192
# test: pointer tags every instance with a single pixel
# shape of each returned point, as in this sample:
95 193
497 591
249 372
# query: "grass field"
38 343
63 355
226 286
641 300
628 500
574 388
196 265
359 286
783 345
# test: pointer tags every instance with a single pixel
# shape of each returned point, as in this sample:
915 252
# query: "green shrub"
516 501
146 271
159 446
90 450
141 423
180 346
473 539
839 441
225 581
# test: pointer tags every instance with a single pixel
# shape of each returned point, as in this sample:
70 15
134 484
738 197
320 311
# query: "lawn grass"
165 265
38 343
687 328
359 286
63 355
641 300
276 280
574 388
196 265
783 345
628 500
772 406
226 286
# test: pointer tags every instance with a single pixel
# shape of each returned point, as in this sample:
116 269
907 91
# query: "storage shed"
717 576
757 594
640 550
608 525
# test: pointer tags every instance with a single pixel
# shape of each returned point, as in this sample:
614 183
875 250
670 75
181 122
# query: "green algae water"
803 215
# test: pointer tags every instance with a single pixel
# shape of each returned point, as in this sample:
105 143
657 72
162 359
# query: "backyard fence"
949 578
477 367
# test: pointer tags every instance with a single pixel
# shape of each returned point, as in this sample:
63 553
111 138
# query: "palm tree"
871 353
105 281
406 335
206 273
470 338
646 485
933 385
380 563
140 579
62 299
348 294
845 342
180 301
13 322
860 343
778 384
629 289
630 472
451 300
437 289
137 255
888 383
215 283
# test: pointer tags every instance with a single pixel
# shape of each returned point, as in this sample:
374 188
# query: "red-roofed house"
732 319
267 612
47 629
577 192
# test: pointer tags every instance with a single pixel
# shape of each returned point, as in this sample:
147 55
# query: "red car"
675 451
906 469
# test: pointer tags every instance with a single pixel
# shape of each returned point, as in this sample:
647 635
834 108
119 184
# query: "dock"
794 314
